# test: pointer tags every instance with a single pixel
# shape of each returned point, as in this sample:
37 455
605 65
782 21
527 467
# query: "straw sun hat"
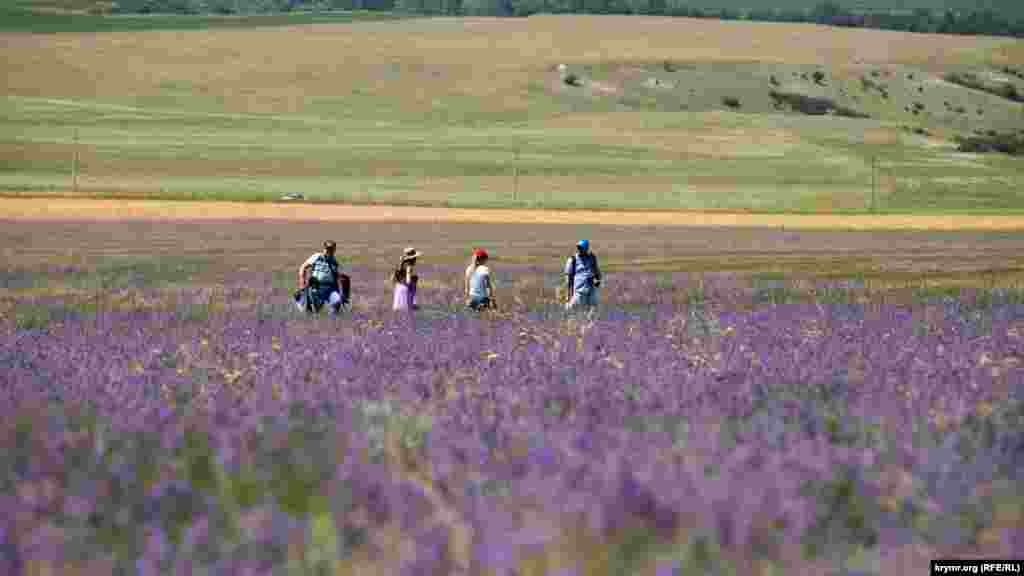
411 254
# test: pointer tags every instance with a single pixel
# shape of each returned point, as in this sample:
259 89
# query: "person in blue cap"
584 278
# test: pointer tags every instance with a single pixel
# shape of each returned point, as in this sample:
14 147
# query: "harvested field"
251 71
117 210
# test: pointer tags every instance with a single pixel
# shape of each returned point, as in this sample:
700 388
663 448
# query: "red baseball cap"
479 253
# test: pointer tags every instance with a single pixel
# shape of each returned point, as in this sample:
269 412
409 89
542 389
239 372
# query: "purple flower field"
696 425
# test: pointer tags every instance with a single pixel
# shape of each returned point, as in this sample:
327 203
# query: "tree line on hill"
971 22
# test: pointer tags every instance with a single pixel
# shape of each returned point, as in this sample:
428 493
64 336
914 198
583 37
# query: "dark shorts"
479 303
315 295
322 293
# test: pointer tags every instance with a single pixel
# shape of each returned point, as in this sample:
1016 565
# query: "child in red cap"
479 288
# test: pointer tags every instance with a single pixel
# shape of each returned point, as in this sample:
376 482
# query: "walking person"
479 287
325 282
405 281
584 278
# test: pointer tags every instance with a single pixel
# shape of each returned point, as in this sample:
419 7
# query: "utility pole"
74 165
874 186
515 179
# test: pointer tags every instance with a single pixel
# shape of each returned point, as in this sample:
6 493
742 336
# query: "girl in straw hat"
405 280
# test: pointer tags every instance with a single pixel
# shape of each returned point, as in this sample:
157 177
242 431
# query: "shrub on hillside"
1007 143
968 80
1010 92
819 77
731 102
1013 72
572 80
773 80
812 105
965 79
868 84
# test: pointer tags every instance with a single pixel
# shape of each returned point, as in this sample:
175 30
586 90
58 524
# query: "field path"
37 209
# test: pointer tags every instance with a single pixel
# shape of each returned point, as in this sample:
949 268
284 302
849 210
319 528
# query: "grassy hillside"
77 16
473 112
1011 8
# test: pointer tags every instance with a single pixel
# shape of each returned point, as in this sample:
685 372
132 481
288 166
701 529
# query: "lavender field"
697 425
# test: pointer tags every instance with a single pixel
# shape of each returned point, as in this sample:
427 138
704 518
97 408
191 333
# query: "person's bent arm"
302 275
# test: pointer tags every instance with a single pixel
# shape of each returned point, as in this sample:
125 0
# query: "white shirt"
479 281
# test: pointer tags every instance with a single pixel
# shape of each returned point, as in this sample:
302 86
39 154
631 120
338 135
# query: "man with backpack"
325 284
584 278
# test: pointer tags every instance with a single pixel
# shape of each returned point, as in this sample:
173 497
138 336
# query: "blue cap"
584 244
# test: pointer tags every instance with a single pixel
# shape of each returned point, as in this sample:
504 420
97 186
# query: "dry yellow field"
27 209
275 70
